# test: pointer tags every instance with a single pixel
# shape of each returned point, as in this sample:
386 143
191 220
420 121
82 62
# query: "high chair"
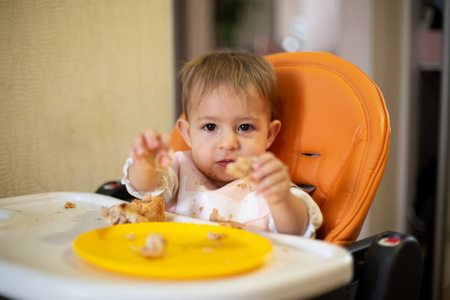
335 140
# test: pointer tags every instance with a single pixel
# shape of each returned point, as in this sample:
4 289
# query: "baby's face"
224 126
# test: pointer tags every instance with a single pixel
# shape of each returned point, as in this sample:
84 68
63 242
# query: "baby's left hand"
271 178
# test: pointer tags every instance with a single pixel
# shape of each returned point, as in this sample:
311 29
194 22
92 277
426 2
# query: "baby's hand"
271 178
151 150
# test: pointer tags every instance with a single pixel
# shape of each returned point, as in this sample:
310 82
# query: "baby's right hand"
151 150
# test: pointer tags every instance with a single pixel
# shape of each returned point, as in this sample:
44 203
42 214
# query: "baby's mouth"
223 163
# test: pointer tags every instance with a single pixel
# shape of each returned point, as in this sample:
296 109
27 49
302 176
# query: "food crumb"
214 236
70 205
242 185
232 224
155 246
285 249
215 216
130 236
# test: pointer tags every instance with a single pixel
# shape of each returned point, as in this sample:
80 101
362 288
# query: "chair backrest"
335 136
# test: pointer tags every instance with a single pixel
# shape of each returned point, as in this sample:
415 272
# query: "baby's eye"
245 127
210 127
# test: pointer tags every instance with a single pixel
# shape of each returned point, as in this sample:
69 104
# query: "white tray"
37 260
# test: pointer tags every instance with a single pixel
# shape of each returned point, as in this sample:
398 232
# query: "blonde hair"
244 71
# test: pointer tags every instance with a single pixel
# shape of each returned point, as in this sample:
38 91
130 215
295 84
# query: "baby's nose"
229 140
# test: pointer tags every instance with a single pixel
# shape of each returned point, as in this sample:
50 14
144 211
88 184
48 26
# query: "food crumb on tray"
70 205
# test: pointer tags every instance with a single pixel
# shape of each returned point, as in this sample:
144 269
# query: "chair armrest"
387 266
115 189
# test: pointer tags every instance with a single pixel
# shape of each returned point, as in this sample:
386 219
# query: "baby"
229 101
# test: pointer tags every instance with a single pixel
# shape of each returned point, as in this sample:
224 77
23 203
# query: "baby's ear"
183 128
274 128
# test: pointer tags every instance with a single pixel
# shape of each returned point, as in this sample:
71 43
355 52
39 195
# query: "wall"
387 16
199 27
78 80
308 25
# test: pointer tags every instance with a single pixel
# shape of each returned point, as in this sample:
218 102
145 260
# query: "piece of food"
155 246
232 224
214 236
241 168
149 210
130 236
70 205
216 217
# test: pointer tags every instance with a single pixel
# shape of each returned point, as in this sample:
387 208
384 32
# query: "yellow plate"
190 254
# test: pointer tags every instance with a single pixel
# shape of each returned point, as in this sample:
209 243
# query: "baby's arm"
272 181
150 154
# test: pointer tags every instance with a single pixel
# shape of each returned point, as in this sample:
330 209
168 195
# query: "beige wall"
386 73
78 80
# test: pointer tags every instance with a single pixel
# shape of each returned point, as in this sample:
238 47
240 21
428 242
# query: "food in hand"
149 210
241 168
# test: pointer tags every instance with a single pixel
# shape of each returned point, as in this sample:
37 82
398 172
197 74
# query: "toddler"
229 101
